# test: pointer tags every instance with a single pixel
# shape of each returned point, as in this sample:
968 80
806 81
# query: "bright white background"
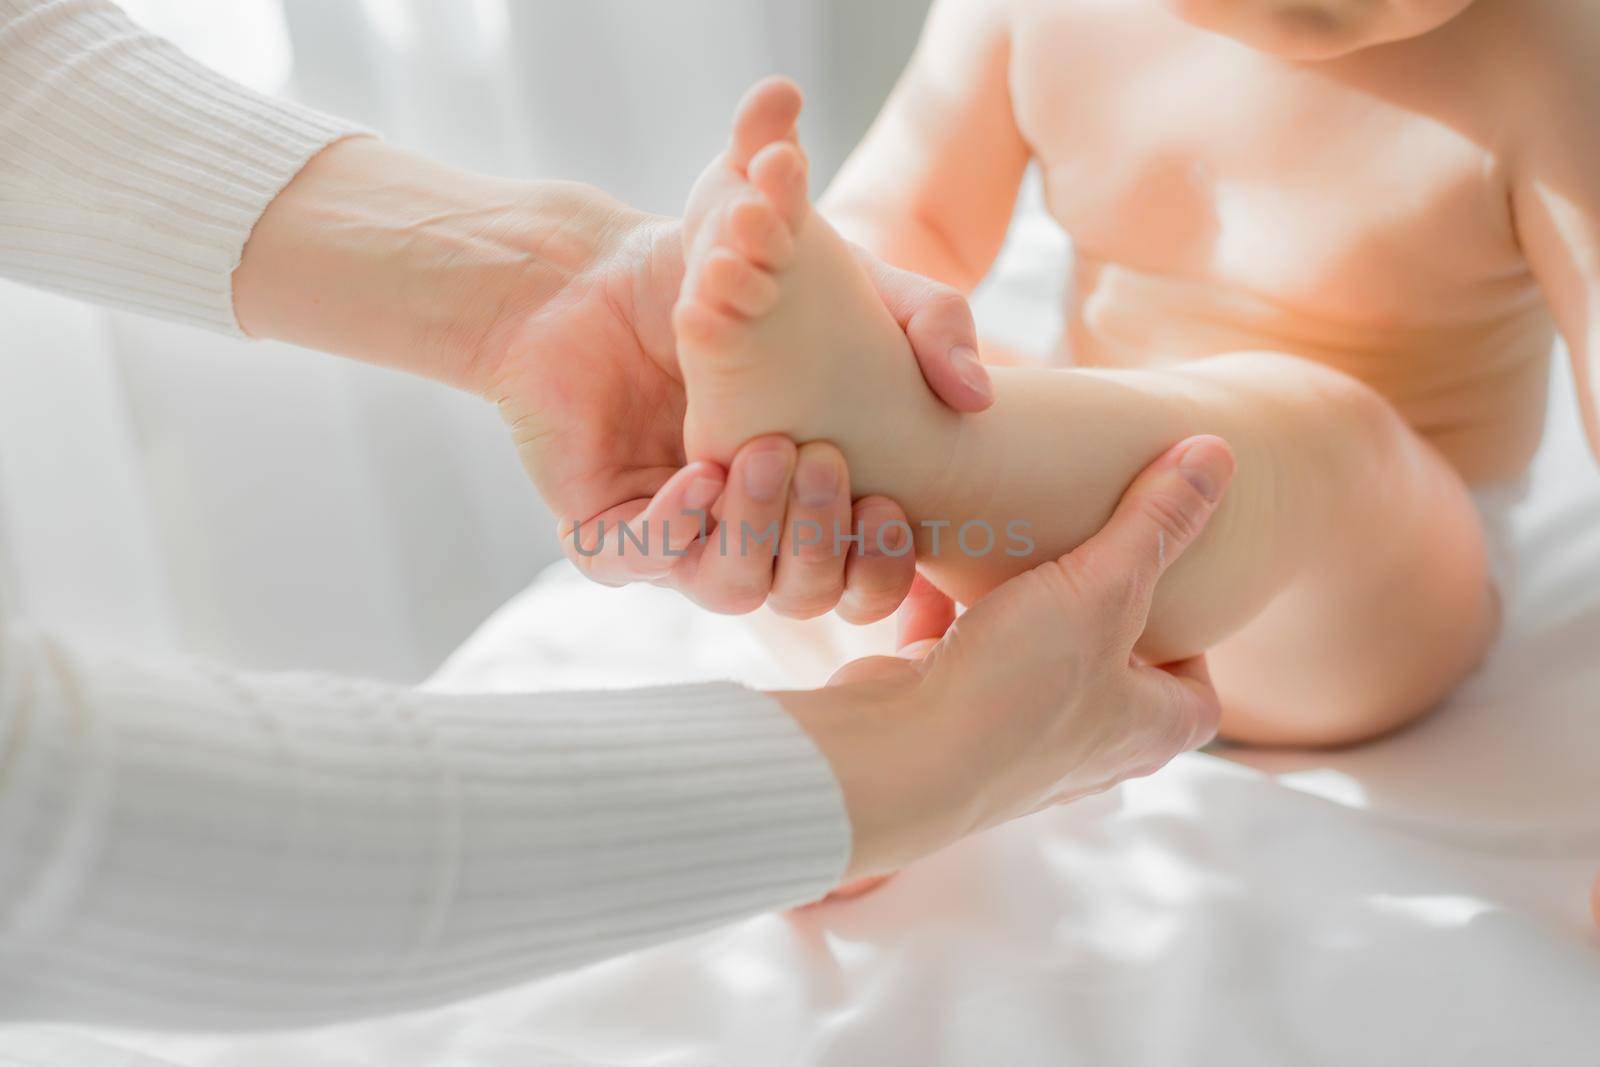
277 508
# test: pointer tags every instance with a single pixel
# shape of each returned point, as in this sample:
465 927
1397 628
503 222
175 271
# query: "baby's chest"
1286 184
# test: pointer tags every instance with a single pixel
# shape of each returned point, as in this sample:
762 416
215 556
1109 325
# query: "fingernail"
765 474
702 493
816 483
970 370
1201 468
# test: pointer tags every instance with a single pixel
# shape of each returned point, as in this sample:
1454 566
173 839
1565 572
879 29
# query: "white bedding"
1420 901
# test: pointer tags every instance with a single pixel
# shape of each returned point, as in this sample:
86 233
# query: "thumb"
643 540
1160 516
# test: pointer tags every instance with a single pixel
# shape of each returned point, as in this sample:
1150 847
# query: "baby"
1334 232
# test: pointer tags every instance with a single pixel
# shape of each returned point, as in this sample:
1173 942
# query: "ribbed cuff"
188 846
131 175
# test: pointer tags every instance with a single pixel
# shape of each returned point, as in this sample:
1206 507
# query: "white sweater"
184 844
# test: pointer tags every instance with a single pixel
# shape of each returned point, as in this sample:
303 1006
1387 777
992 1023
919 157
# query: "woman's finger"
882 564
925 616
939 324
644 540
1176 708
811 559
734 568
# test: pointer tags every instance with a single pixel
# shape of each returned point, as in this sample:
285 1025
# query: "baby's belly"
1474 387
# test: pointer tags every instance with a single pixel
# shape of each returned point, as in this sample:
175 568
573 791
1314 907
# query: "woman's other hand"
1032 698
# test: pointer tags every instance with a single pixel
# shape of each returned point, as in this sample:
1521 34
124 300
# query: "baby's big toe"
767 114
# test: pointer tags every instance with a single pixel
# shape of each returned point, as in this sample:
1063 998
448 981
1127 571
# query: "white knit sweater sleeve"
182 845
131 175
185 845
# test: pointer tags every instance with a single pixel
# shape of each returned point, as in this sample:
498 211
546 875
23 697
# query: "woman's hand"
1033 698
589 382
554 301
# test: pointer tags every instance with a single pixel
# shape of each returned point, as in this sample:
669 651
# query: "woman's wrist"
884 740
382 255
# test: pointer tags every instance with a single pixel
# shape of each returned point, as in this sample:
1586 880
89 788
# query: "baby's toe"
767 114
780 172
760 234
703 326
734 282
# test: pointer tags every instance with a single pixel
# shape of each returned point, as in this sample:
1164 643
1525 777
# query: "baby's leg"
1370 598
1342 586
1342 582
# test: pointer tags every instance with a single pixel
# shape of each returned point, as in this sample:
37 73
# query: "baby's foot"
780 329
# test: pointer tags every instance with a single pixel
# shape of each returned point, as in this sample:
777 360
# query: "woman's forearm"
380 254
136 177
186 845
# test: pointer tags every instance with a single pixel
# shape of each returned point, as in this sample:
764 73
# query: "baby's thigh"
1397 614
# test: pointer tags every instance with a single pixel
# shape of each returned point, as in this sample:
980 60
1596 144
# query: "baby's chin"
1311 31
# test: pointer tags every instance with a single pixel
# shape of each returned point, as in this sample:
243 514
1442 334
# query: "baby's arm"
933 185
1556 196
1556 199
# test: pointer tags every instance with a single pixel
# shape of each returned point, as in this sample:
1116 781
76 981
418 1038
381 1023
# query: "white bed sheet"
1419 901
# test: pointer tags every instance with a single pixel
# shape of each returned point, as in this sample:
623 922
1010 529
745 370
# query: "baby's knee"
1340 419
1301 384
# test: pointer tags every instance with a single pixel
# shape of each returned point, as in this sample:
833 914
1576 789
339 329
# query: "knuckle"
878 590
1125 589
943 300
1075 579
861 609
871 585
1129 611
736 594
797 610
1112 600
813 555
807 604
1176 513
724 603
1099 590
943 307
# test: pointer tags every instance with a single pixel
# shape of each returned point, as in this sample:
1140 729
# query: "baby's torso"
1355 212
